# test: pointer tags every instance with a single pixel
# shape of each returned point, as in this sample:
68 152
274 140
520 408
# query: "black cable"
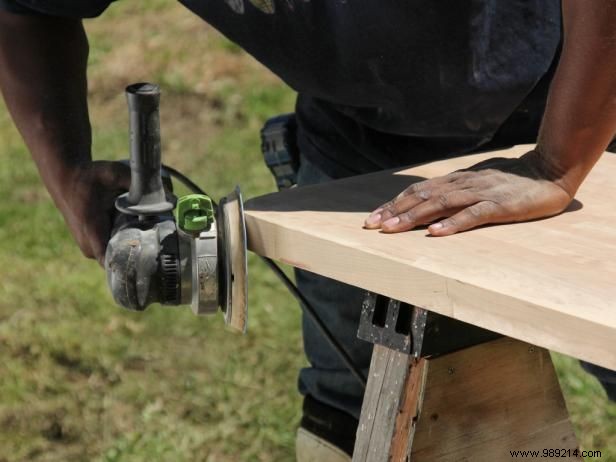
312 314
291 287
186 181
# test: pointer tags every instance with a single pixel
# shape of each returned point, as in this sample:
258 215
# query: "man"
381 84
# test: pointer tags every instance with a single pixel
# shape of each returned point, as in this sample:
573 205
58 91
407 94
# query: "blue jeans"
338 304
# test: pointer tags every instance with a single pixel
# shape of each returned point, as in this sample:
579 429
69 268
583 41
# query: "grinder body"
196 256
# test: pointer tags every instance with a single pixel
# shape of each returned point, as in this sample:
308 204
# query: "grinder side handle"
146 196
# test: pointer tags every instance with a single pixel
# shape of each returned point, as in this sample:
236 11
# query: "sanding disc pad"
235 271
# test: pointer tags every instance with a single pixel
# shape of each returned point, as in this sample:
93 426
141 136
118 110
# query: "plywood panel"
483 402
549 282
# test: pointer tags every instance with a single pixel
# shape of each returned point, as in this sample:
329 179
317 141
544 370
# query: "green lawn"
83 380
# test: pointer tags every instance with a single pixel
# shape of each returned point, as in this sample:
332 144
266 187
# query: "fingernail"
436 226
373 219
391 222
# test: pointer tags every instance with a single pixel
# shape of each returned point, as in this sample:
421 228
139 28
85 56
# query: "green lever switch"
194 213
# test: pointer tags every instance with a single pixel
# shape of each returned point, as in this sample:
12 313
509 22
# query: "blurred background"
83 380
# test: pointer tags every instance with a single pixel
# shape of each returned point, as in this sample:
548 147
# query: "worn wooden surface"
549 282
482 402
383 399
410 410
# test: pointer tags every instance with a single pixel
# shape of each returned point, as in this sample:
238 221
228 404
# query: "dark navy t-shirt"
384 83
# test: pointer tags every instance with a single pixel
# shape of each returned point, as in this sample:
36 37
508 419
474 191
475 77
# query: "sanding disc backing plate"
234 255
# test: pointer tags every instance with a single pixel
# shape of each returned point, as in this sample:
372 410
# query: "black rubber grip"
146 194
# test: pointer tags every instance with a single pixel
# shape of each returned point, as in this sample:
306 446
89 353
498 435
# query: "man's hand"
494 191
578 124
87 200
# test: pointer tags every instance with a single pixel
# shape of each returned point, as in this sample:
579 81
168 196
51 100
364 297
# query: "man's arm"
43 80
580 118
578 124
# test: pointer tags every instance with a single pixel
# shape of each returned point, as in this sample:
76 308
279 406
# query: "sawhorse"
440 390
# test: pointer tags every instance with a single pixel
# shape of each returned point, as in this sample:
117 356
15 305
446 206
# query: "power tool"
169 250
188 250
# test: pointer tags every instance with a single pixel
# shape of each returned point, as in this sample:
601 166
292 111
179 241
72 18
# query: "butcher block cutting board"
549 282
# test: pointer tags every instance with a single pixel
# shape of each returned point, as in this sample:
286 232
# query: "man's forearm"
580 117
43 81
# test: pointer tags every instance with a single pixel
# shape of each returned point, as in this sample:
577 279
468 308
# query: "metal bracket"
414 330
391 323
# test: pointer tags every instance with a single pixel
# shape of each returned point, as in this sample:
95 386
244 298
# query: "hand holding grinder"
189 251
170 251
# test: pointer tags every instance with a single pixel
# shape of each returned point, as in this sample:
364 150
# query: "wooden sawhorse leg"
475 404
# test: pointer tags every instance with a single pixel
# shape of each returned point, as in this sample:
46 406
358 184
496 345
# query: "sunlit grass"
81 379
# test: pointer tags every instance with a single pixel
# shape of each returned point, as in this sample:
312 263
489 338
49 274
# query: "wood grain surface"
483 402
389 370
549 282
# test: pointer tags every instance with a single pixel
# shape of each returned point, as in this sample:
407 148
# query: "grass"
82 380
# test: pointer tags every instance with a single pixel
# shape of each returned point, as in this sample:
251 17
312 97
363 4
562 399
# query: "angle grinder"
169 250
